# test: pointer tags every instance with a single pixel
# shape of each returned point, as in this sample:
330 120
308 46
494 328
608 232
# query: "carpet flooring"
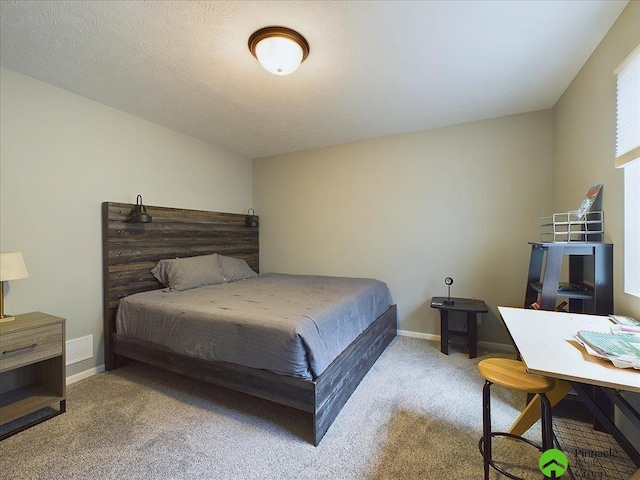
416 415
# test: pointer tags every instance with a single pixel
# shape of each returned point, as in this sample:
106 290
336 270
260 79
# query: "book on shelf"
571 287
588 201
560 308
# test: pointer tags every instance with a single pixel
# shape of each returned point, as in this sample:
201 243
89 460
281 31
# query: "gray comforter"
289 324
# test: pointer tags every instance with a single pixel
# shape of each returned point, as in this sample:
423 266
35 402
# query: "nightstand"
472 307
32 368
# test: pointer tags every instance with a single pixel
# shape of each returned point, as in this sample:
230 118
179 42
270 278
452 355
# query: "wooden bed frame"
131 250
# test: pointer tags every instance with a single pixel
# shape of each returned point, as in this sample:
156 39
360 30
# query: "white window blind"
628 156
628 111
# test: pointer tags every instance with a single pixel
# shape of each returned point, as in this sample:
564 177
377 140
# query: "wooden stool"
512 374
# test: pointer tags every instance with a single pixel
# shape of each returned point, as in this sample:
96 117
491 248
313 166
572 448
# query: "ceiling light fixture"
279 50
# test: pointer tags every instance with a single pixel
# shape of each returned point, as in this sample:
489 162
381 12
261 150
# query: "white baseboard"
503 347
424 336
82 375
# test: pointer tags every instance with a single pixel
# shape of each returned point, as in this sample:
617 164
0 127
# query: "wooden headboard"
131 250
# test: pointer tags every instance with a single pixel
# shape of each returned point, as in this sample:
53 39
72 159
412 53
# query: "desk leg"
444 331
531 413
610 427
472 329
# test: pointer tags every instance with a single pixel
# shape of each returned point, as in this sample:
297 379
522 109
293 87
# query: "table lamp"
12 267
448 282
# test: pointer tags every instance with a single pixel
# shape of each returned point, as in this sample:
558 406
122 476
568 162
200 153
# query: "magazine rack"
573 226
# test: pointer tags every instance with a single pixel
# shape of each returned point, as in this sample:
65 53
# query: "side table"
32 368
470 336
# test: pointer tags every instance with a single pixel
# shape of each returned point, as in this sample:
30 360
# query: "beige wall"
584 146
461 201
62 156
584 141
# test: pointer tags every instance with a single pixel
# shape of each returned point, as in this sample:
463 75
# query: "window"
632 228
628 157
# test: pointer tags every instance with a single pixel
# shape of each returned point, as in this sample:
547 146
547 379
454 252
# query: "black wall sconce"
251 220
139 213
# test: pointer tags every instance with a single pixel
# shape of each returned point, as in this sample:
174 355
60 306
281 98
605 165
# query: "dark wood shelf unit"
590 267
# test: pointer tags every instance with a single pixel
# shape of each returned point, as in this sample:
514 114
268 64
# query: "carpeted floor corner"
416 415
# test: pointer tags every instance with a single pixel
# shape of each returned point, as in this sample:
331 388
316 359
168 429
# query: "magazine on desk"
621 347
624 320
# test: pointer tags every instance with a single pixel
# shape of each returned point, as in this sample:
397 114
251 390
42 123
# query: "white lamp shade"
12 266
279 55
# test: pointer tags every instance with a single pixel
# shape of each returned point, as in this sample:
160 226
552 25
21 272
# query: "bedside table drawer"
30 346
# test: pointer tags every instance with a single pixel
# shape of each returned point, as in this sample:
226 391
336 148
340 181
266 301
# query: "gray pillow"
161 272
191 272
234 269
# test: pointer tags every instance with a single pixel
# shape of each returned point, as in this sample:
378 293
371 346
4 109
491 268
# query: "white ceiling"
375 68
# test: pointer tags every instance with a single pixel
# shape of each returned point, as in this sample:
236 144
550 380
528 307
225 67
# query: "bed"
132 250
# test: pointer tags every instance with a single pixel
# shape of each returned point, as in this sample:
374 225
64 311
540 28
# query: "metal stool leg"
546 421
486 426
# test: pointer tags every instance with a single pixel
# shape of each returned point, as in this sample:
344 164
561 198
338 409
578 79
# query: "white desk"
547 347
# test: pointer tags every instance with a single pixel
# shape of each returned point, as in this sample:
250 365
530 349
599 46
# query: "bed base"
323 398
131 250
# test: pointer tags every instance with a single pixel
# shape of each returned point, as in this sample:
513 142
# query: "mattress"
288 324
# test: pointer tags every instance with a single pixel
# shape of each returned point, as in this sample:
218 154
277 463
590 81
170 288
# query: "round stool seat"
513 374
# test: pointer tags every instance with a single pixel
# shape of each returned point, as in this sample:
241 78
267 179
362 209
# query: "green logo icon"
553 463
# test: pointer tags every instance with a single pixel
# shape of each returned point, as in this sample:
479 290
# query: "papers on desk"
623 320
621 347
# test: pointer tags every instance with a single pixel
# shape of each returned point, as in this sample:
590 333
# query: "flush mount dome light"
279 50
